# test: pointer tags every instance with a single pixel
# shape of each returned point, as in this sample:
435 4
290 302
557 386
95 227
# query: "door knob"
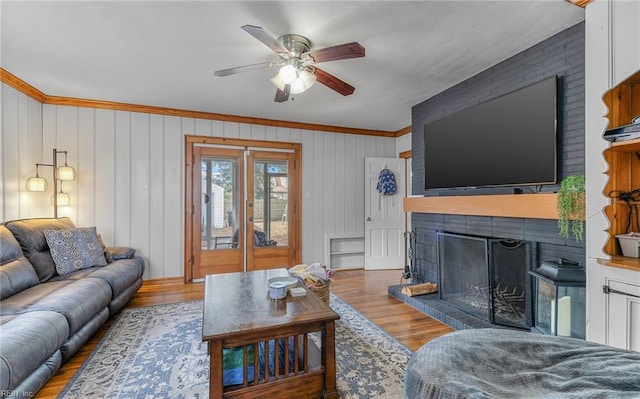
368 219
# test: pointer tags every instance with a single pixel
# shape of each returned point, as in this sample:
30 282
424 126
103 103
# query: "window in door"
219 203
271 196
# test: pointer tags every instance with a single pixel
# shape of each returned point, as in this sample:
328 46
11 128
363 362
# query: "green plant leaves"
571 207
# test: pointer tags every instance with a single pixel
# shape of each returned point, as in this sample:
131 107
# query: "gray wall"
561 55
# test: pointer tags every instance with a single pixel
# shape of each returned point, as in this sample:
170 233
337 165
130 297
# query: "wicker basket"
321 291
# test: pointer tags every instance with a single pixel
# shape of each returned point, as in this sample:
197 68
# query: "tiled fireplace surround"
561 55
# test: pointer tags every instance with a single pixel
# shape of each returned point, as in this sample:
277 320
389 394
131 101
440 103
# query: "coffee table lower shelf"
306 377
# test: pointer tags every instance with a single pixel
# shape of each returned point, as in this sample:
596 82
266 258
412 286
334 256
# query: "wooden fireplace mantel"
534 206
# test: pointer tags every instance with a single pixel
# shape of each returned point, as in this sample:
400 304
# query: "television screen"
510 140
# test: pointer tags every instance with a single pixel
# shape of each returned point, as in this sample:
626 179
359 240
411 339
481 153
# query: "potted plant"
571 207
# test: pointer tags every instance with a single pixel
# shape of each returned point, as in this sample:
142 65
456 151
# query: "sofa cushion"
16 273
30 234
28 340
78 301
120 274
20 302
77 275
74 249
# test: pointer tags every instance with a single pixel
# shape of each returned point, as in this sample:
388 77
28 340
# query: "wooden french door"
270 192
244 199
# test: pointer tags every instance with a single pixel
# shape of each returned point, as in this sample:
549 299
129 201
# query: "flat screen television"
507 141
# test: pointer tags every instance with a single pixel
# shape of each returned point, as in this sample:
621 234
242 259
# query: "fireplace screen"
464 280
486 277
509 282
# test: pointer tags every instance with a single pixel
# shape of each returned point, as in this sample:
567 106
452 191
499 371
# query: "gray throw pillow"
75 249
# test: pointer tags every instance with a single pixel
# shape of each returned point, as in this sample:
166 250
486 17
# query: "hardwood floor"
367 293
364 291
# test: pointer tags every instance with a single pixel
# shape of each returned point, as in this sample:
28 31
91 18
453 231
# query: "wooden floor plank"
364 291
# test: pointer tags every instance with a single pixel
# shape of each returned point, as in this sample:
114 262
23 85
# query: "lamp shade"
288 74
65 173
64 199
36 183
277 82
304 81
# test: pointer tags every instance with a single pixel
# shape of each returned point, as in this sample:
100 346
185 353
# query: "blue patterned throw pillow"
75 249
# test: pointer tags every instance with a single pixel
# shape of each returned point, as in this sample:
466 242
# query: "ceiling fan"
297 62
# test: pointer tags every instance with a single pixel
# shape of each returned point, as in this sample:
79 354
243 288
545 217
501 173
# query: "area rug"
157 352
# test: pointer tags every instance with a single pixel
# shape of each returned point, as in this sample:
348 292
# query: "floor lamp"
60 174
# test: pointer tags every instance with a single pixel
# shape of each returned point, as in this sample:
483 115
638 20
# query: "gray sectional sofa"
46 316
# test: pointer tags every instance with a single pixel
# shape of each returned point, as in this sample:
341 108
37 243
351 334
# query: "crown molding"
580 3
25 88
11 80
403 131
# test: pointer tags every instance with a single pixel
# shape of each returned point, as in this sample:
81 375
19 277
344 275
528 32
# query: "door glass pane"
219 203
271 196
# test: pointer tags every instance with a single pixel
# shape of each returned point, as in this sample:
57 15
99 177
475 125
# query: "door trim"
192 141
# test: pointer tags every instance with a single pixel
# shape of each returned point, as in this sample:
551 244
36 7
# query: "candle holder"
559 305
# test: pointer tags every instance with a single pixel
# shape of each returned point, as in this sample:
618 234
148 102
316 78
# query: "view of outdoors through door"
219 203
271 197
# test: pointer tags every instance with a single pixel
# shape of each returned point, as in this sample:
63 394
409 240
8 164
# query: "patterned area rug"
157 352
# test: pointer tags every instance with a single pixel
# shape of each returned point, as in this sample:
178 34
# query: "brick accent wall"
562 55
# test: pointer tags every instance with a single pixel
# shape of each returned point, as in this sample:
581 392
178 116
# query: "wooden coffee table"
238 313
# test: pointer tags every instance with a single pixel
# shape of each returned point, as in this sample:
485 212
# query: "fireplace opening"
486 277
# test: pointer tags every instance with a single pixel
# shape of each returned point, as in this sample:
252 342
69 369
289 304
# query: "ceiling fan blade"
339 52
334 83
245 68
266 38
283 95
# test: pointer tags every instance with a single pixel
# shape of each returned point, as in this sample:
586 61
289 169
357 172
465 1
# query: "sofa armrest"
116 253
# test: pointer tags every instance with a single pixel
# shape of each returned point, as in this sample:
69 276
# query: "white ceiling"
164 53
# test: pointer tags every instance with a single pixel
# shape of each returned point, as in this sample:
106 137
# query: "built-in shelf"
623 159
534 206
344 251
622 262
626 146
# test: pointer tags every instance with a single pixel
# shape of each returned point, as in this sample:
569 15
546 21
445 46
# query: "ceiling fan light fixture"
296 59
288 74
305 80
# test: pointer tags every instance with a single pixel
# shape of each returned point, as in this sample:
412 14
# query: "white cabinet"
613 306
344 251
623 314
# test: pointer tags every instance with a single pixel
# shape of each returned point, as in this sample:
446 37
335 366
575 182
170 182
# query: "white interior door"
384 217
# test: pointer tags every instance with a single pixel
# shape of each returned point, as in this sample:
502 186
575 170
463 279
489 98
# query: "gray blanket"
493 363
